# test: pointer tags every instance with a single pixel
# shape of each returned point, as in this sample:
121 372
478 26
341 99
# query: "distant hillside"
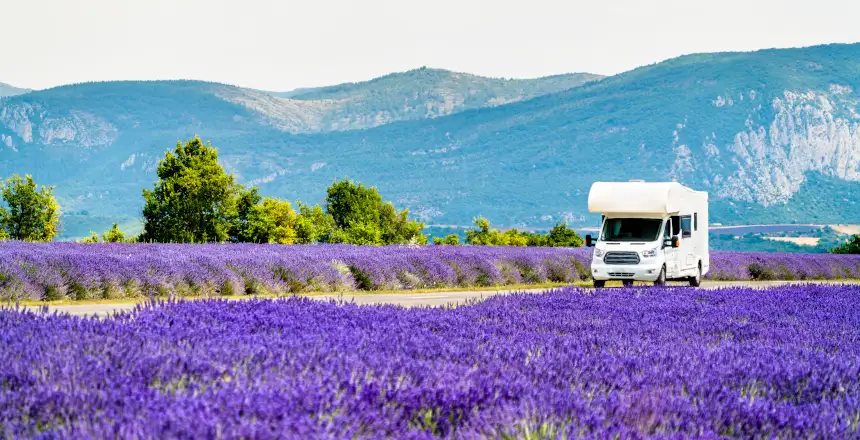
771 135
291 93
7 90
417 94
438 84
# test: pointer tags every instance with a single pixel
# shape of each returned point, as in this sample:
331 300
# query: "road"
407 299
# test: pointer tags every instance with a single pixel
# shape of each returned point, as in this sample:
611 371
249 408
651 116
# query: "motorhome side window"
668 230
676 224
686 226
695 221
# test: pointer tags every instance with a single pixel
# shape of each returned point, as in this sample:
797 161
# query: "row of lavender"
628 363
83 271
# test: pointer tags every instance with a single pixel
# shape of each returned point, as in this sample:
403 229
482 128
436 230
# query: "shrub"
851 246
113 235
93 238
449 240
362 279
759 272
562 236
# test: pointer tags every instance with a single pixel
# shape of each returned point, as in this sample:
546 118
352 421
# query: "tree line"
482 234
195 200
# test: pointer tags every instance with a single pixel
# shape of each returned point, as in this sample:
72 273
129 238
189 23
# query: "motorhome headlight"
598 253
650 253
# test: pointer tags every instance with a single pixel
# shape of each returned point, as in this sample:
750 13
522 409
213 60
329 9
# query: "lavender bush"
93 271
574 363
782 266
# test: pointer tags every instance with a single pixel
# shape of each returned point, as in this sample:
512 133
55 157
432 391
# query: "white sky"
285 44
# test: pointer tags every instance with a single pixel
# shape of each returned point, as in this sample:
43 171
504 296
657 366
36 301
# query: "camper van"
650 231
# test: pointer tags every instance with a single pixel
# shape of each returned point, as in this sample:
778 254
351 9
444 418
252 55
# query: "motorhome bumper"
638 272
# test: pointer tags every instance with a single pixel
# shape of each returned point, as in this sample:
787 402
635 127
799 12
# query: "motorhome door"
669 252
687 255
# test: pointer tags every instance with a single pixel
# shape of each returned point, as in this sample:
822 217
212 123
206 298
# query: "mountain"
416 88
417 94
771 135
7 90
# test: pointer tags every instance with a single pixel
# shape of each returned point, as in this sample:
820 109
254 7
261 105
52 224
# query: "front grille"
621 274
620 257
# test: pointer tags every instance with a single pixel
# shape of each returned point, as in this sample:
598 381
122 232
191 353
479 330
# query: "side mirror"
676 243
589 241
667 243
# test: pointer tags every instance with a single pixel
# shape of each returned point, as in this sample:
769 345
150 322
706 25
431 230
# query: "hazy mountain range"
413 95
772 135
7 90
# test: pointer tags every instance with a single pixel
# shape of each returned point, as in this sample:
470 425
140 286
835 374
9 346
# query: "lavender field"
574 363
96 271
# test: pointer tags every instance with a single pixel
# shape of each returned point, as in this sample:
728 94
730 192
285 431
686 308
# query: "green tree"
31 212
483 235
512 237
450 240
358 233
245 203
397 228
360 216
273 221
851 246
113 235
352 203
562 236
313 224
194 200
535 239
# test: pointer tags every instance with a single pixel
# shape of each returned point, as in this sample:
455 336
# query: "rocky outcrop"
809 131
7 142
33 123
285 114
16 117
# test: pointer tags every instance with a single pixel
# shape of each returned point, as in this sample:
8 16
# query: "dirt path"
407 299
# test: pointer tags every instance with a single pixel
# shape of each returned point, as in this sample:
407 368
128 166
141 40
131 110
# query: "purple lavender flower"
573 363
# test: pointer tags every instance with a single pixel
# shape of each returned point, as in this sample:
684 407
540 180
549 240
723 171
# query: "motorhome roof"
641 197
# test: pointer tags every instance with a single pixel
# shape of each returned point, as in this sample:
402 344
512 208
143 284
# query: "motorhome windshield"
631 229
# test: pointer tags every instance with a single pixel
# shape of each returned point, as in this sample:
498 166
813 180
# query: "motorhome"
650 231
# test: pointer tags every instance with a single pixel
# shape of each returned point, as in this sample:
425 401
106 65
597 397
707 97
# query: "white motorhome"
651 231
